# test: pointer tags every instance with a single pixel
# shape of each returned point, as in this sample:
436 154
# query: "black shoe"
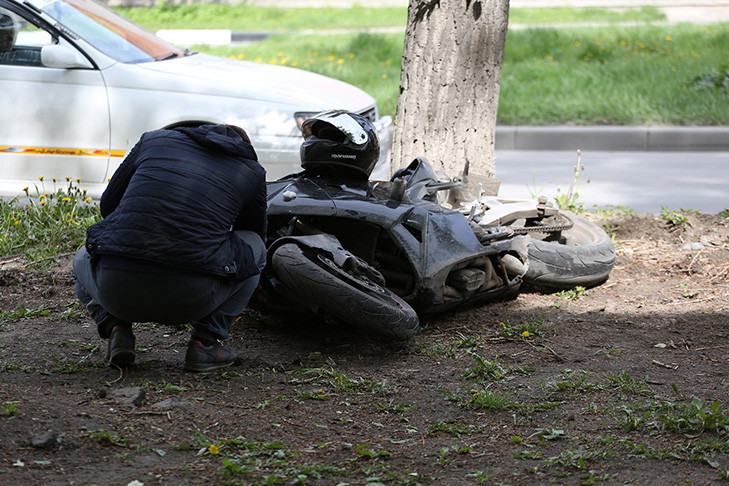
121 346
207 358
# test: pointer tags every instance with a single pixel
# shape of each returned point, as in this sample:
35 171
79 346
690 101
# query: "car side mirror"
63 57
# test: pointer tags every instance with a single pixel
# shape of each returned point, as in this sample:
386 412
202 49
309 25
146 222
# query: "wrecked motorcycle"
378 254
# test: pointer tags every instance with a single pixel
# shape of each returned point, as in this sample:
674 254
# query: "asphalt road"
643 181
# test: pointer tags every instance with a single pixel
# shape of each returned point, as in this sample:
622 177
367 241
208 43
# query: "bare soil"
600 391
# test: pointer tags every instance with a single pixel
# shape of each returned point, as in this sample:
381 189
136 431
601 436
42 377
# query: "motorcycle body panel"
416 244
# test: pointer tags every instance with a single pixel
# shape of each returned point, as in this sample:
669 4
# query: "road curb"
613 138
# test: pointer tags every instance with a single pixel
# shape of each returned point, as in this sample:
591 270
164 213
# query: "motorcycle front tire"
583 256
312 279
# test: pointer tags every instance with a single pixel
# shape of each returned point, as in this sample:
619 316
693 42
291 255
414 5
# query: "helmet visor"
342 122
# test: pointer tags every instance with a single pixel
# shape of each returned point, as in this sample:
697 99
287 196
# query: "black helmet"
339 142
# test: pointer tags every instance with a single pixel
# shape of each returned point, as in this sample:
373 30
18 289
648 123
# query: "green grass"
52 222
614 75
252 18
617 75
610 75
561 15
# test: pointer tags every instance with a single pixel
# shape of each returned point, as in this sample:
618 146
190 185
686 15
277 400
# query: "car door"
54 122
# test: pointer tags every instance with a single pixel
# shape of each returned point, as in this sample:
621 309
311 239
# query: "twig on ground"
691 264
122 374
52 257
20 257
712 347
670 367
560 358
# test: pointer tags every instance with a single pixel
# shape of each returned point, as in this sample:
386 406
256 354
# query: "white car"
79 84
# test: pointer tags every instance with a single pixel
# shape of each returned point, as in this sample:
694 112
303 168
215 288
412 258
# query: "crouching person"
182 241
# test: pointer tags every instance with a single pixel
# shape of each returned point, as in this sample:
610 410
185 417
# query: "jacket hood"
221 139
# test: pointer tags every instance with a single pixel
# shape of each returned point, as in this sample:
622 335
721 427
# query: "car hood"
251 80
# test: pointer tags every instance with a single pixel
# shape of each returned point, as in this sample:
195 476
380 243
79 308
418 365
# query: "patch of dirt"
599 391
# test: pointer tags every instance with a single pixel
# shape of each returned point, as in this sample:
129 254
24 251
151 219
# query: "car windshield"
110 33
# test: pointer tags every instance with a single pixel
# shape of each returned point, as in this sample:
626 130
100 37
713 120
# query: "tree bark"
449 86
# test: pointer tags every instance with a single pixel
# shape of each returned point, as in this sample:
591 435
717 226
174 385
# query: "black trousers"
209 304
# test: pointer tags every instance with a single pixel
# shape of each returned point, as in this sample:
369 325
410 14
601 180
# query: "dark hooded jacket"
175 199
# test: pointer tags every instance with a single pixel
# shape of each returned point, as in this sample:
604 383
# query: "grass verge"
616 75
612 75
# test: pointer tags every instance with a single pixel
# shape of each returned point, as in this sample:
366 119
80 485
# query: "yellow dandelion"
577 43
669 38
548 57
295 63
25 189
71 222
17 223
340 61
331 58
241 56
66 199
258 59
87 200
40 178
525 334
279 53
78 179
350 55
213 449
384 76
502 324
42 202
42 196
320 391
68 179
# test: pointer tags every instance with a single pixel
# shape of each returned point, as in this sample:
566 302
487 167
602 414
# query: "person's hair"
240 132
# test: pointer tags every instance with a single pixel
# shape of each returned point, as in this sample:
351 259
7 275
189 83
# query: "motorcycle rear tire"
584 257
343 296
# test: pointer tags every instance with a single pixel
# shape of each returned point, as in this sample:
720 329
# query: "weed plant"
10 410
47 224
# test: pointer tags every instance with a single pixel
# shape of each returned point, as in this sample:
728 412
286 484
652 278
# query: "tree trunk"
449 87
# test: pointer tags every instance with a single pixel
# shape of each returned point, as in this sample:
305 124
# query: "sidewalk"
614 138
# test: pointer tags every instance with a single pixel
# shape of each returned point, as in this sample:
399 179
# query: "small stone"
132 395
694 245
45 440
